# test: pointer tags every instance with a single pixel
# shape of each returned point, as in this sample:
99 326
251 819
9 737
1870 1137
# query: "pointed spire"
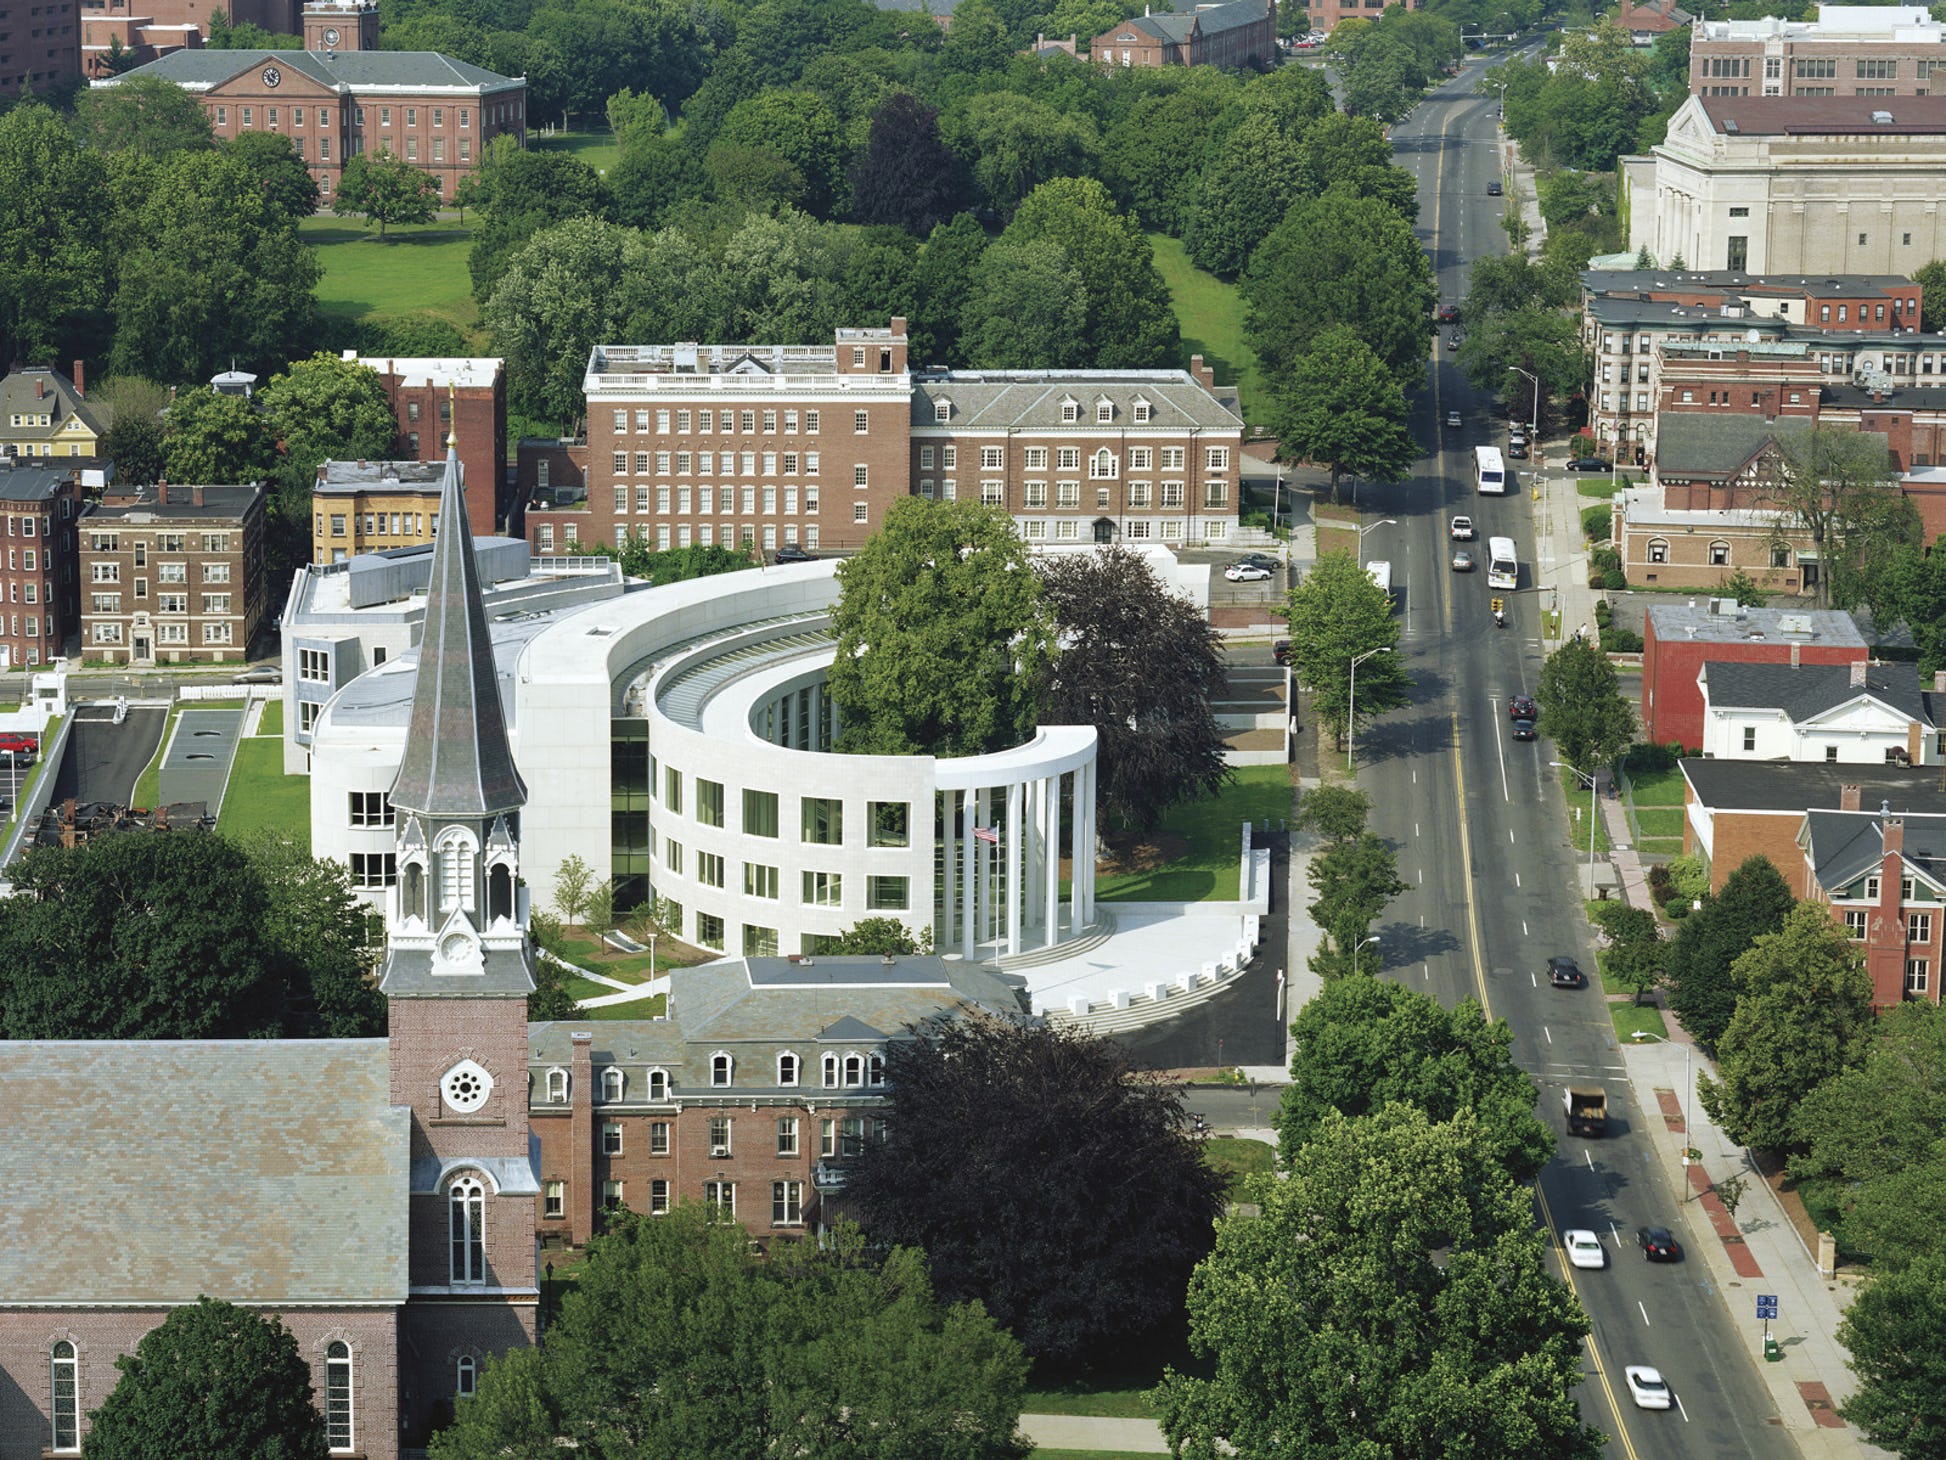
457 761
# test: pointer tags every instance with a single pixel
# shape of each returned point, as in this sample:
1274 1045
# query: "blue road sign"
1766 1305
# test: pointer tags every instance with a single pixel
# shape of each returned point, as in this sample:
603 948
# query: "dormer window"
720 1068
875 1071
942 410
557 1086
854 1070
787 1068
613 1083
1070 411
658 1084
829 1069
1104 411
1142 409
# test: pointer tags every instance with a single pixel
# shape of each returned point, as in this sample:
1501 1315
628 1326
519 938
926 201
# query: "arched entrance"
1104 529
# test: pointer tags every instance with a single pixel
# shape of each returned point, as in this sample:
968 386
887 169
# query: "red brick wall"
480 423
433 1333
1672 704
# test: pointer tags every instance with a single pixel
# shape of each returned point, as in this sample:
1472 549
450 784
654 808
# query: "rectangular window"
709 802
719 1135
1918 927
860 421
722 1195
823 821
1878 70
658 1137
709 869
372 870
1749 737
611 1195
760 813
555 1200
890 823
611 1138
886 894
672 789
787 1135
787 1203
759 880
658 1190
371 808
314 666
1918 977
823 889
1855 918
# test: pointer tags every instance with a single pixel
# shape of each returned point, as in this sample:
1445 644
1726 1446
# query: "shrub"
1676 909
1647 757
1603 613
1615 581
1596 521
1621 641
1690 876
1661 886
1605 558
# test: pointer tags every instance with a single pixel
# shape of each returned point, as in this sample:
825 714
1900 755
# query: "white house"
1839 714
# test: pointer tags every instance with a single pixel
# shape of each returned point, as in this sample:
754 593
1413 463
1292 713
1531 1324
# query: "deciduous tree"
1085 1246
1841 489
1011 144
801 129
869 936
1582 709
133 440
217 438
944 636
1635 947
1752 902
1931 279
315 928
328 406
1354 880
1338 614
520 192
1391 1297
384 189
1027 309
1339 406
144 115
55 224
1249 183
1158 743
1153 156
1895 1331
1363 1043
1337 813
1804 1006
1130 322
211 1380
906 176
279 170
572 881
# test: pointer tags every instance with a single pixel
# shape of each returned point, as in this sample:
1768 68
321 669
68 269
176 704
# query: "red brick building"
41 618
279 17
40 46
1241 34
436 112
1880 873
463 397
1678 639
1324 15
172 574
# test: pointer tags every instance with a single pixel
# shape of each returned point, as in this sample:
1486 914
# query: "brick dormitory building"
172 574
773 445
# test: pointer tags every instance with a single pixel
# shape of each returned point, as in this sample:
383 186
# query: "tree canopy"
1842 489
215 437
384 188
1341 407
1752 902
1896 1332
945 639
211 1380
1338 614
1158 741
1582 709
678 1340
1391 1297
328 406
1093 1201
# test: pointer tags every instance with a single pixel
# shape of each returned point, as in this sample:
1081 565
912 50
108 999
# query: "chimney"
1858 668
40 386
581 1135
196 495
1849 796
1939 681
1202 374
81 378
898 324
1892 829
1796 656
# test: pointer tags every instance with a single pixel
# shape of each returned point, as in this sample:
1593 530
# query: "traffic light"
1498 604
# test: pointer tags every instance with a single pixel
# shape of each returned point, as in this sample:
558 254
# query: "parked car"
1563 972
1493 189
1449 314
1590 463
1523 729
19 747
262 674
1647 1387
1584 1248
790 552
1522 707
1280 652
1658 1244
1462 528
1246 573
1454 420
1261 560
1462 560
1517 451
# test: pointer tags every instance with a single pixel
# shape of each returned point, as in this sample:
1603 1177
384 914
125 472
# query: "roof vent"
1730 126
1797 623
1881 119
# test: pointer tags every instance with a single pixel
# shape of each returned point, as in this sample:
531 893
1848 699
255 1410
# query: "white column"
1051 840
947 801
1015 868
1076 851
1088 824
969 871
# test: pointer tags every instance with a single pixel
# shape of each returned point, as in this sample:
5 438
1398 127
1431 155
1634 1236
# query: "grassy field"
261 795
596 148
1656 801
1210 314
1117 1398
272 722
1207 869
653 1007
148 785
417 271
1628 1019
1238 1158
1580 805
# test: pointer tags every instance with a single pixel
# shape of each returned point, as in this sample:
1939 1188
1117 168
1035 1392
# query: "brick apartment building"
172 574
1645 22
40 46
1241 34
373 506
140 38
37 577
767 1077
463 397
436 112
279 17
810 445
1849 50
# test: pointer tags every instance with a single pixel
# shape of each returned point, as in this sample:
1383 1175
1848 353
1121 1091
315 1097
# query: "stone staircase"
1099 932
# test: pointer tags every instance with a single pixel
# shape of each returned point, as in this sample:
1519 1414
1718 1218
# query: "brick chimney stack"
1892 829
40 387
81 378
581 1121
1858 668
1850 797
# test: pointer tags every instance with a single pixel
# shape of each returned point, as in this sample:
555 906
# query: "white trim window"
65 1392
721 1069
557 1087
466 1229
466 1376
788 1067
829 1069
337 1397
613 1085
658 1085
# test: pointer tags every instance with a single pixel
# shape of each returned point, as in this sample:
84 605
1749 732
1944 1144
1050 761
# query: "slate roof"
199 70
1176 28
21 483
1030 400
1846 845
1824 116
457 761
268 1172
1805 691
1771 785
1698 443
57 400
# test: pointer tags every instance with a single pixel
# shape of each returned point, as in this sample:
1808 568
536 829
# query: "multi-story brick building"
436 112
43 413
810 445
1240 34
1324 15
172 574
279 17
373 506
1849 50
120 36
37 582
40 46
464 398
765 1079
1678 639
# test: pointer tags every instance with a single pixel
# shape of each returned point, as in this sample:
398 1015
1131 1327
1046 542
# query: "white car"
1646 1387
1584 1248
1462 529
1246 573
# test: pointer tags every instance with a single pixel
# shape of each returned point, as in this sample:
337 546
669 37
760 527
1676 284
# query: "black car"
1564 973
1260 560
1523 730
790 552
1516 451
1590 463
1493 190
1658 1244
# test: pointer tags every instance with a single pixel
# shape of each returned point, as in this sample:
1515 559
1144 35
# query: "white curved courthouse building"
676 739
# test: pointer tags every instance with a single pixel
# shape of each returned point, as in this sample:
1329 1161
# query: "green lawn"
1628 1018
1238 1158
1580 803
25 786
1040 1454
1207 869
1210 314
260 794
1656 788
652 1007
1659 822
1599 485
596 148
148 785
1112 1398
417 270
272 722
577 945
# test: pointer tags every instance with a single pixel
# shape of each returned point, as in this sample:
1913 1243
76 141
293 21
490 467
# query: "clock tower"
341 25
458 970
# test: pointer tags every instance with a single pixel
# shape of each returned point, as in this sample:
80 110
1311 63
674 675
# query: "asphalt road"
103 759
1484 845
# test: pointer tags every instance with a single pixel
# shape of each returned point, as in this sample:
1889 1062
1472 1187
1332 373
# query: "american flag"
987 834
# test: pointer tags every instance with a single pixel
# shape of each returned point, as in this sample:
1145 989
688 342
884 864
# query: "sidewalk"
1090 1432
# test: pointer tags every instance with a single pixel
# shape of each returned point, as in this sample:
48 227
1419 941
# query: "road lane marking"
1532 978
1680 1410
1594 1349
1525 934
1589 1157
1516 879
1645 1314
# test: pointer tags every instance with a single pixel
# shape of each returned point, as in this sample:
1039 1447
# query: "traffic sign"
1766 1305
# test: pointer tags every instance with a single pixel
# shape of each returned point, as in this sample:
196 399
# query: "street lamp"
1638 1035
1351 708
1534 424
1388 522
1592 809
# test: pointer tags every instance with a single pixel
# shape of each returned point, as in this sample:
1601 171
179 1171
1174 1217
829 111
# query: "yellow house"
43 414
370 506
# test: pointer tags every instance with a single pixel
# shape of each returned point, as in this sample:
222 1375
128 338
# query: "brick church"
378 1195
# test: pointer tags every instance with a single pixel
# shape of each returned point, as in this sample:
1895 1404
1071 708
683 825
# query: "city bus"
1503 567
1490 472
